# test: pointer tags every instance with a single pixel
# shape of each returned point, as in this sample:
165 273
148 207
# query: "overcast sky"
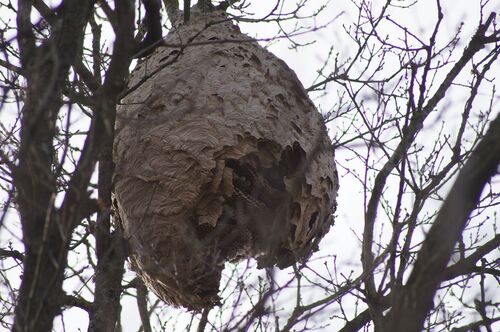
343 238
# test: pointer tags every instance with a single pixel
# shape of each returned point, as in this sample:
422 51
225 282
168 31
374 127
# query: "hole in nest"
296 211
255 59
330 183
174 52
293 228
292 159
243 175
202 230
313 219
297 129
239 56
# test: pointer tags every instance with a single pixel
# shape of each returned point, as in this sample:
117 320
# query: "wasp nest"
220 155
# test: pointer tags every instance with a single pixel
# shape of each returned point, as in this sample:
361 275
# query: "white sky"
343 238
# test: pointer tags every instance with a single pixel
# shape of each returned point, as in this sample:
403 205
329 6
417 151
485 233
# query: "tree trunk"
45 236
110 250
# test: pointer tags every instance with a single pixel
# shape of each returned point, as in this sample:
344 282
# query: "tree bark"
45 236
110 249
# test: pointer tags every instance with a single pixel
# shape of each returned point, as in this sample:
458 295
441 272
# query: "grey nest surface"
220 155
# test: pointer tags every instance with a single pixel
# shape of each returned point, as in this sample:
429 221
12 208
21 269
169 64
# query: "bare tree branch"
142 305
187 10
152 21
468 265
172 8
11 253
110 249
415 299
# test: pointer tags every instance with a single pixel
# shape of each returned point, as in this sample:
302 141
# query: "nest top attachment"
220 156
